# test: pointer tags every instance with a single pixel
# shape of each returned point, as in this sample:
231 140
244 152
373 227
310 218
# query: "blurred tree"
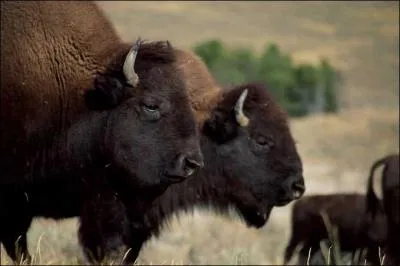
246 62
306 79
276 70
210 51
329 81
301 89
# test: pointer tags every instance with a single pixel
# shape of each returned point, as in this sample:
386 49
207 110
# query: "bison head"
151 132
258 156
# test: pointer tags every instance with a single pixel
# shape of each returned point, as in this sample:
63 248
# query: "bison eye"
264 142
151 111
150 108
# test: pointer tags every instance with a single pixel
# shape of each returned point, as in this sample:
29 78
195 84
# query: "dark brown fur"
206 98
70 123
390 185
238 173
346 212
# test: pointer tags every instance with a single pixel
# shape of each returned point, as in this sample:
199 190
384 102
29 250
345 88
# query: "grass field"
360 38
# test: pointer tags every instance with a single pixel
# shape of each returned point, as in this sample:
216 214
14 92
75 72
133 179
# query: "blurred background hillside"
360 42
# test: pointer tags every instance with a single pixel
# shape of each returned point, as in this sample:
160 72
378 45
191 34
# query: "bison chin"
255 216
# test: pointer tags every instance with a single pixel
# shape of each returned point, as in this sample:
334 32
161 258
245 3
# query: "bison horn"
128 68
241 118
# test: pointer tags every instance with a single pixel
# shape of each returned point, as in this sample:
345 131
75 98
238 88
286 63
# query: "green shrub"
210 52
300 89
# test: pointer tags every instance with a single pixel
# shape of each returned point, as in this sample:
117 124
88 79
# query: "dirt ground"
360 38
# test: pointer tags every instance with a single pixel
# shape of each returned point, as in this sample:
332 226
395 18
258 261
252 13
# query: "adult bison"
51 58
346 213
59 60
391 203
251 164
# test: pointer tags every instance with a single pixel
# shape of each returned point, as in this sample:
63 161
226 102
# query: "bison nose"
194 163
184 166
298 188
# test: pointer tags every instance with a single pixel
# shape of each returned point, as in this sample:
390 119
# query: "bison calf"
346 212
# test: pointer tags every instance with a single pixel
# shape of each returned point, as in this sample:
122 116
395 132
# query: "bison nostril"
184 166
191 165
298 189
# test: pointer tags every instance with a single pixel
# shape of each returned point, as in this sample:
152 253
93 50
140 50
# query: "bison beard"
229 178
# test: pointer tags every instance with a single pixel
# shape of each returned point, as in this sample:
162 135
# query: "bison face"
151 138
257 152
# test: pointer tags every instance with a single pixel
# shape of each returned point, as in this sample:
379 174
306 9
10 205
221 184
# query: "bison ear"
108 92
220 127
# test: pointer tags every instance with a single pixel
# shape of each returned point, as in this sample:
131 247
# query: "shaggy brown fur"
346 212
204 92
58 61
50 53
391 203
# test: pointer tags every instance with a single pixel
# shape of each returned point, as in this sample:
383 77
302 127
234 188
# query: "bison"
346 213
390 184
265 141
251 164
82 110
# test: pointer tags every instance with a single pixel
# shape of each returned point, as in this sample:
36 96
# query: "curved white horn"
241 118
128 68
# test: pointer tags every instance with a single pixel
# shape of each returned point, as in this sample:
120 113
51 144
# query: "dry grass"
337 150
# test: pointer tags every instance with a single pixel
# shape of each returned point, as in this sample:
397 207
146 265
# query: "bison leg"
306 253
17 248
371 255
14 224
289 251
135 243
13 237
